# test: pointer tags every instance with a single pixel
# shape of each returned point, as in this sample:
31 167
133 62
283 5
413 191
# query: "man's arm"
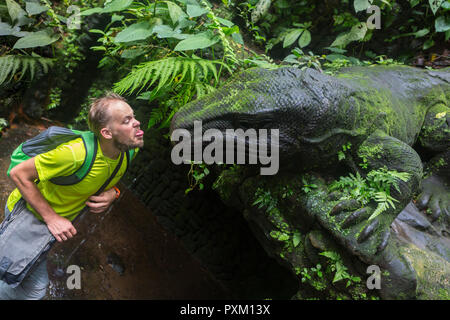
24 175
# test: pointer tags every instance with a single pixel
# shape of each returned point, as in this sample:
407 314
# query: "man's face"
124 127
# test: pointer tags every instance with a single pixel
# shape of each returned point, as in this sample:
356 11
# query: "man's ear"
106 133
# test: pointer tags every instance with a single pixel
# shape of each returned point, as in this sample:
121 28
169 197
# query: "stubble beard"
123 147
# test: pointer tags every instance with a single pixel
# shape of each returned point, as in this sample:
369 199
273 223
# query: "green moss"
226 183
432 273
370 151
444 294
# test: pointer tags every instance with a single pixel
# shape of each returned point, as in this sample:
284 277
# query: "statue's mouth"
230 146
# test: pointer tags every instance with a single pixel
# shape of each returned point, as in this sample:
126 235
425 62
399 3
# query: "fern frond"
214 70
32 68
159 68
16 68
205 70
156 116
166 71
192 70
11 65
6 65
202 89
176 69
199 90
382 206
185 69
165 74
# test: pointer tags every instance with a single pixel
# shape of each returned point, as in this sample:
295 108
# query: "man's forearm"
34 197
24 175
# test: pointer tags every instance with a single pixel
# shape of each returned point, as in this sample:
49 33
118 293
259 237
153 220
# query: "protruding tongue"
140 133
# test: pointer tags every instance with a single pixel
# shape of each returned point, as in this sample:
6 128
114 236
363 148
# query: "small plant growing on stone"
345 148
264 199
376 186
307 187
314 276
337 267
196 175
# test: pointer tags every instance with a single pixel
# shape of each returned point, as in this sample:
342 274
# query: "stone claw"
422 200
354 218
344 205
384 241
368 231
334 196
435 195
435 209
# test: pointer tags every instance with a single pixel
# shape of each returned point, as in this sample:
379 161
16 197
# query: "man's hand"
60 227
101 203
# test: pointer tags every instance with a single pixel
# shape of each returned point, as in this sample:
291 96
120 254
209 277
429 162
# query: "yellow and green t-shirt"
68 201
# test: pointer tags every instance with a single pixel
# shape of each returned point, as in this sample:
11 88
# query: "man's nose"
136 123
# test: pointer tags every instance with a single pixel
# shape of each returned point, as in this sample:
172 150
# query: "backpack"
52 138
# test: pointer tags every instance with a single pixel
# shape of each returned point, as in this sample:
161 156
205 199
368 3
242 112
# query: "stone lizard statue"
378 112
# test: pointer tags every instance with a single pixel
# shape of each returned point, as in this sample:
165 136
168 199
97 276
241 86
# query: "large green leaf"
132 53
225 22
14 10
194 42
34 8
296 239
442 24
134 32
7 30
435 5
117 5
36 39
165 31
195 11
357 32
17 14
175 12
113 6
304 39
361 5
291 37
421 33
91 11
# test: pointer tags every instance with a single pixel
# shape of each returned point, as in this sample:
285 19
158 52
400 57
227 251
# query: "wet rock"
412 216
115 262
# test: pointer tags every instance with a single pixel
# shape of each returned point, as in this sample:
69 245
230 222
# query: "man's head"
111 118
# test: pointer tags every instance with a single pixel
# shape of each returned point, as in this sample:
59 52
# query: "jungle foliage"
35 34
331 24
168 53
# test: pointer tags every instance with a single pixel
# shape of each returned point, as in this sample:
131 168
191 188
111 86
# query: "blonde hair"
99 114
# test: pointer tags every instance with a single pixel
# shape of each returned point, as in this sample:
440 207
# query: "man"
112 121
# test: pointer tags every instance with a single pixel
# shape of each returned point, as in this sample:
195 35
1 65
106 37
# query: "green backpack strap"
91 146
130 154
